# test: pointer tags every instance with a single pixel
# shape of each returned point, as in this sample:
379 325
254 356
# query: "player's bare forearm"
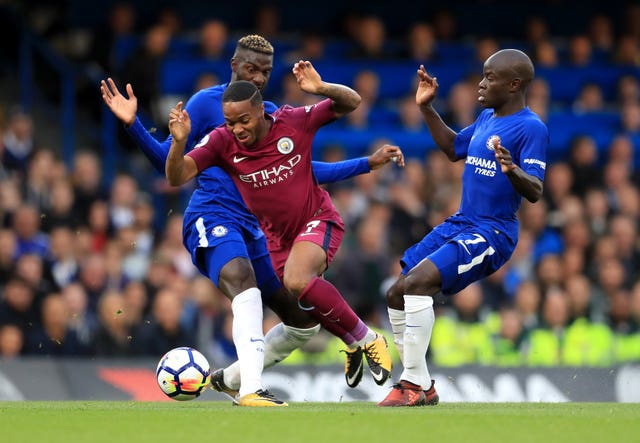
442 134
528 186
344 99
175 164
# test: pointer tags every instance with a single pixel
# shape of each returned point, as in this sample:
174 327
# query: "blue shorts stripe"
327 237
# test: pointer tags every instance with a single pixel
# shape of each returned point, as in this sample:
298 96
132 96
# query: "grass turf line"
219 422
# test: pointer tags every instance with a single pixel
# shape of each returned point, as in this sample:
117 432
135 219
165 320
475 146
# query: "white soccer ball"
183 373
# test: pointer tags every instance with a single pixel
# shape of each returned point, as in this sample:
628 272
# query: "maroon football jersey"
274 176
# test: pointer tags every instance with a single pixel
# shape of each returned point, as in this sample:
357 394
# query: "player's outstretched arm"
344 99
442 134
343 170
179 168
125 109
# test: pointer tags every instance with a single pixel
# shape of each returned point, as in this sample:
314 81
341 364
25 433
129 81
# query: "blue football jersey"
487 194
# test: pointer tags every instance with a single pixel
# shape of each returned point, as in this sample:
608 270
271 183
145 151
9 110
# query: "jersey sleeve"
462 140
203 117
205 113
533 154
333 172
154 150
316 115
207 152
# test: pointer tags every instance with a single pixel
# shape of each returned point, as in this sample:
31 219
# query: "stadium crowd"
90 268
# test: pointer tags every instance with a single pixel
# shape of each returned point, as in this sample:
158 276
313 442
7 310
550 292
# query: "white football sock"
417 334
368 338
249 338
280 341
398 320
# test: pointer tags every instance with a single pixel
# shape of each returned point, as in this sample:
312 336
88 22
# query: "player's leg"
308 259
297 326
221 254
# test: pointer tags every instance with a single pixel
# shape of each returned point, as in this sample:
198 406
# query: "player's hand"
179 123
427 87
307 77
384 155
503 156
123 108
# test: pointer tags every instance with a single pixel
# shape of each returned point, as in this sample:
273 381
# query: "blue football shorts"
214 241
462 253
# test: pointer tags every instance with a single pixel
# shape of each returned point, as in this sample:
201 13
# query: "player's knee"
395 295
295 283
423 284
237 275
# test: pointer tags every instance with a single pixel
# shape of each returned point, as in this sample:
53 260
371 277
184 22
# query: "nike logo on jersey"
238 159
308 233
256 339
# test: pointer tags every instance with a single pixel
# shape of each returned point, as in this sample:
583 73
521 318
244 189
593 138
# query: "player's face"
245 121
494 87
252 67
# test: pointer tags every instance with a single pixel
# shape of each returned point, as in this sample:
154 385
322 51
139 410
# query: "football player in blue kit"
224 238
504 152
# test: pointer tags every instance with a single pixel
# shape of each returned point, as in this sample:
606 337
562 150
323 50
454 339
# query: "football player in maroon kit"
268 157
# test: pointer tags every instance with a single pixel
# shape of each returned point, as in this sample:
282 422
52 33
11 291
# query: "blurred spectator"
8 253
312 47
87 182
558 184
42 172
99 225
143 70
19 306
627 51
54 337
114 335
205 80
589 99
62 262
421 43
627 89
583 161
580 51
371 40
539 98
60 209
11 341
292 94
170 19
536 31
624 231
18 141
164 330
545 342
367 84
82 320
546 54
631 117
213 40
601 35
509 343
26 225
267 21
112 43
445 25
124 191
459 335
546 239
597 210
462 105
411 119
93 277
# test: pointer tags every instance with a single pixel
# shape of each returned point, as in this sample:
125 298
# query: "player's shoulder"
212 93
533 121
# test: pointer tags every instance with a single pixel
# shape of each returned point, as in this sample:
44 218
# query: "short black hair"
241 90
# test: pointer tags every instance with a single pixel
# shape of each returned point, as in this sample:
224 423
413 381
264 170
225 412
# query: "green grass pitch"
219 422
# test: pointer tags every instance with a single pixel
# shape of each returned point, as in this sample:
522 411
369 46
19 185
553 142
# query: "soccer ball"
183 373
